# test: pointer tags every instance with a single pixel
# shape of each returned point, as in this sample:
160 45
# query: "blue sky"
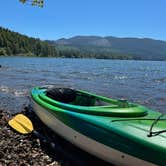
67 18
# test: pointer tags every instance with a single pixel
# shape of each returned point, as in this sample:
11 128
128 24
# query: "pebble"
27 150
20 150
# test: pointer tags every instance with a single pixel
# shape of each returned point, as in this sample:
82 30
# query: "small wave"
12 91
160 80
19 93
5 89
120 77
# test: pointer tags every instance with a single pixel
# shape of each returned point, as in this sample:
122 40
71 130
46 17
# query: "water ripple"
17 93
139 81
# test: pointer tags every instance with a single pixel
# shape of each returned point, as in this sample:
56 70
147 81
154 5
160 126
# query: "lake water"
142 82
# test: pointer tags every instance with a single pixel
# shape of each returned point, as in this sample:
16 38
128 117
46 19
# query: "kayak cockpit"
81 98
87 103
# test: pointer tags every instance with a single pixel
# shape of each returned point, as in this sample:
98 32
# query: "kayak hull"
91 146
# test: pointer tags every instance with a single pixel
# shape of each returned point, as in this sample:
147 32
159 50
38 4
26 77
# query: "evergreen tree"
12 43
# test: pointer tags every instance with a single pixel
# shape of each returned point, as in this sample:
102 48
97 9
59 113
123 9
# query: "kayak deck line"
151 133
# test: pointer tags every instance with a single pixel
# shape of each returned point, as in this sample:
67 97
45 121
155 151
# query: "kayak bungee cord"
152 133
120 120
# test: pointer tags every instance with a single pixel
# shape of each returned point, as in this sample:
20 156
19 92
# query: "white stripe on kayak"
100 150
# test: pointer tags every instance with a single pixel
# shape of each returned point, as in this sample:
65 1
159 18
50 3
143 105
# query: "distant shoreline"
19 56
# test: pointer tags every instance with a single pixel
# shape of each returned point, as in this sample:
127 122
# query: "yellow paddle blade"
21 123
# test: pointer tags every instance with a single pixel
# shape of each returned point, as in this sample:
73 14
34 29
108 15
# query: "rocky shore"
26 150
17 149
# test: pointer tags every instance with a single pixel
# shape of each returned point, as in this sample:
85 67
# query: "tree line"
97 53
15 44
12 43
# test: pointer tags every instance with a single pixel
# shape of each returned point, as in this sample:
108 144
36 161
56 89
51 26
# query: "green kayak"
116 131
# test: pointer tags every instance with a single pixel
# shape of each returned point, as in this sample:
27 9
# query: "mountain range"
135 48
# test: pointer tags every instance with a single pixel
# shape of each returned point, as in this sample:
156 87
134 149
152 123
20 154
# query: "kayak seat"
84 100
70 96
65 95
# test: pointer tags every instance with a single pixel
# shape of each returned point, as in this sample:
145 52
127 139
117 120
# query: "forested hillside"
74 51
135 48
12 43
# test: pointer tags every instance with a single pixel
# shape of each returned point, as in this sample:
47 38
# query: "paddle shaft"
57 147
